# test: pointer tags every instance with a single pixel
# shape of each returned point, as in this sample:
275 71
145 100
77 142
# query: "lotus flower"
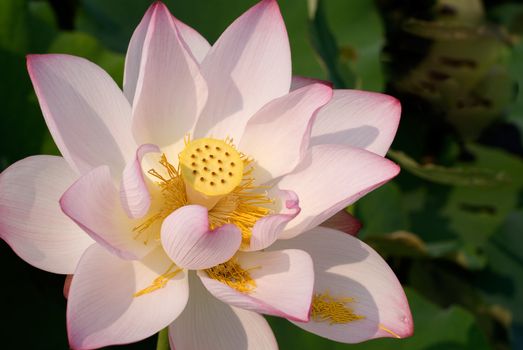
205 194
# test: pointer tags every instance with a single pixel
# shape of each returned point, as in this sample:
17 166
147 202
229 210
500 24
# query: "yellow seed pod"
212 167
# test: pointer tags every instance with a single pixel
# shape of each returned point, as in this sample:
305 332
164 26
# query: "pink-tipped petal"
283 284
298 82
208 324
86 112
267 229
133 58
277 136
246 68
31 220
93 203
170 91
360 119
103 308
196 44
190 243
343 221
134 194
345 267
329 179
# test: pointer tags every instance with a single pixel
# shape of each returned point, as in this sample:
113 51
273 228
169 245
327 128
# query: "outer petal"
31 220
330 178
86 112
93 203
266 230
298 82
102 309
343 221
346 267
277 136
284 281
190 244
360 119
170 92
133 58
195 43
247 67
208 324
134 194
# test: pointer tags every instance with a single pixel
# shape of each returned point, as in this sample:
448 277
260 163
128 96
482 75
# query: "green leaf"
457 176
327 48
381 211
398 244
359 31
476 214
14 20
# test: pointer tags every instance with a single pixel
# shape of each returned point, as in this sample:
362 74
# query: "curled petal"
190 243
267 229
134 194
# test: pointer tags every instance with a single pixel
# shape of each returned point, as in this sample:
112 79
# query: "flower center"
211 167
211 173
326 308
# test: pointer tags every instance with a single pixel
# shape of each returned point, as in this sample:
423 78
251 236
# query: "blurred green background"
449 225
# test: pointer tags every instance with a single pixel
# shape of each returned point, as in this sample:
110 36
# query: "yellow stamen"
233 275
174 197
326 308
159 282
383 328
242 207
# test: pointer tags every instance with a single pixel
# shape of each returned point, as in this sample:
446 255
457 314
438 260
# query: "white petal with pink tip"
103 309
247 67
31 220
283 279
93 203
85 111
209 324
331 178
170 91
360 119
277 136
345 267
